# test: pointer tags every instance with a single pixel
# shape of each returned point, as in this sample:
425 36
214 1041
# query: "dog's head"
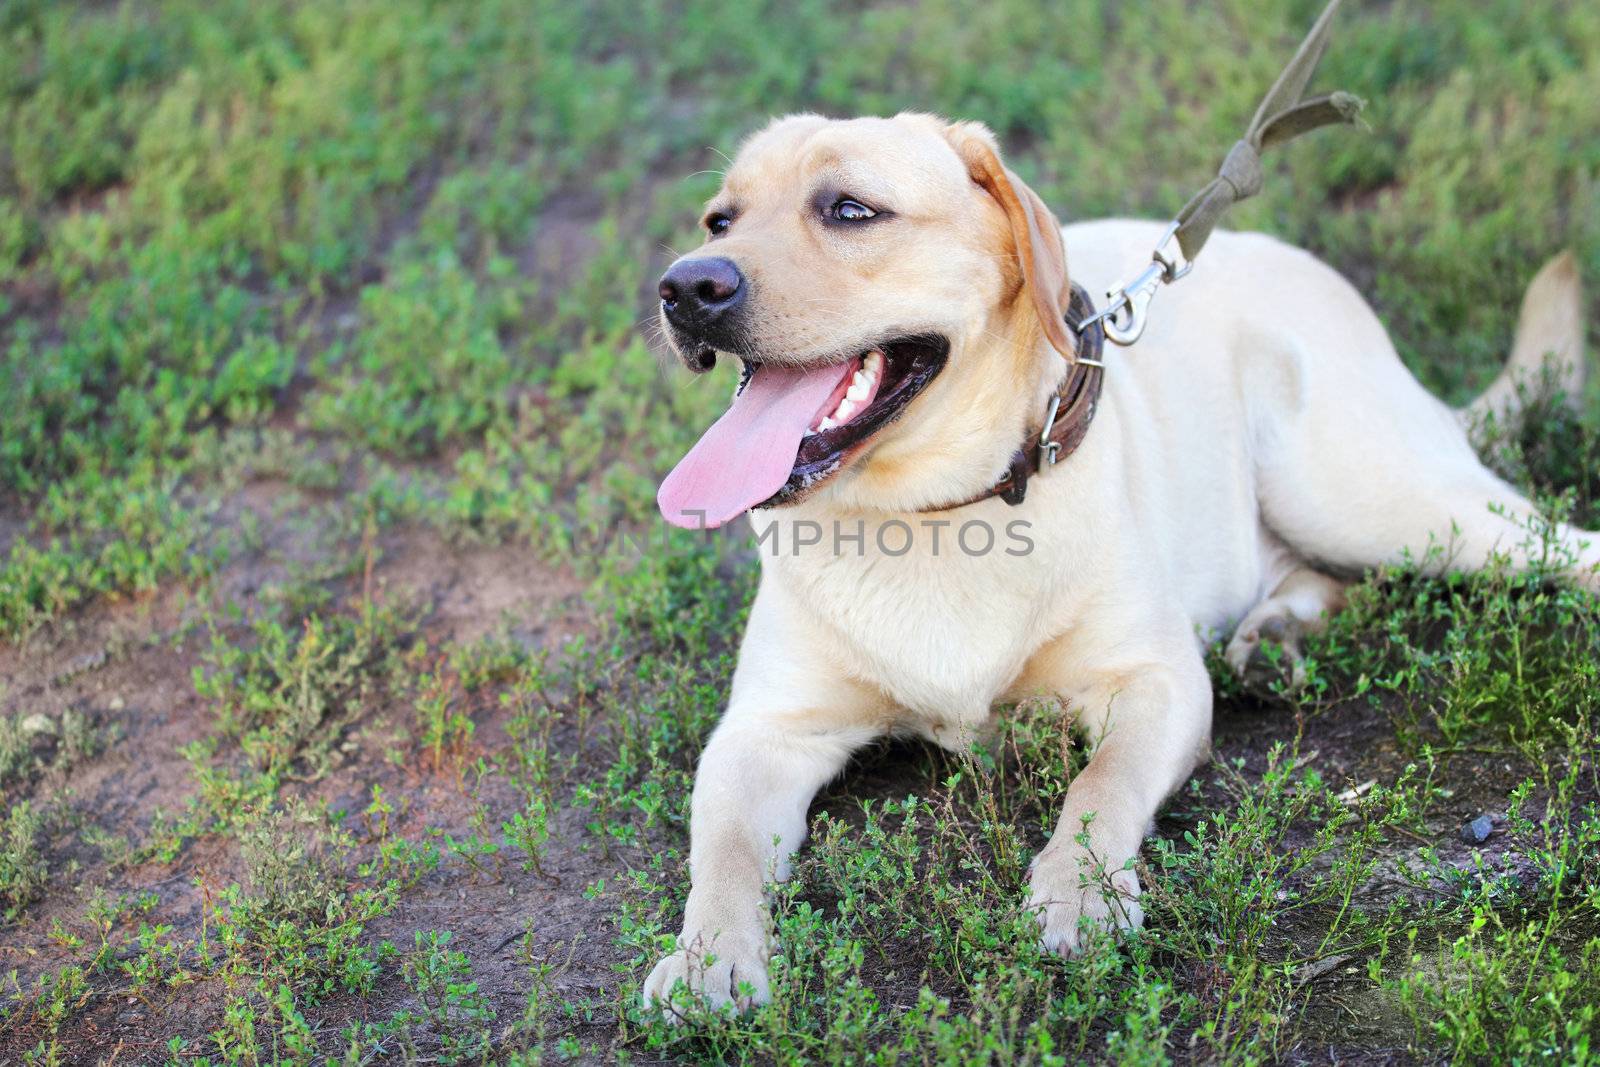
894 295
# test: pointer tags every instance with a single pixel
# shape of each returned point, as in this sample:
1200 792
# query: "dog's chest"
942 634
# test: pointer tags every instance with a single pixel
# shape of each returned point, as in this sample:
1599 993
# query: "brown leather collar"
1072 408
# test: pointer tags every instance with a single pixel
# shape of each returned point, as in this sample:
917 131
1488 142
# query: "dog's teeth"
855 397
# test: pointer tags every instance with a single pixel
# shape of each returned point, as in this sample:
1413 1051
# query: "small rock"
117 704
1478 830
81 664
1317 968
38 723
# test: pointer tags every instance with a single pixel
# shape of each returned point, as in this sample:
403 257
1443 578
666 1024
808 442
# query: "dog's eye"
846 210
717 223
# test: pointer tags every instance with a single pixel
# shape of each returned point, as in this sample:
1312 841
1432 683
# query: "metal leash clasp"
1128 305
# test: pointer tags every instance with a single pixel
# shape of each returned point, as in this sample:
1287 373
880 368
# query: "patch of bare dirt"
563 240
475 592
128 667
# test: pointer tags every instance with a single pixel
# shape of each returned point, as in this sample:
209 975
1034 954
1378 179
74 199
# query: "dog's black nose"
697 292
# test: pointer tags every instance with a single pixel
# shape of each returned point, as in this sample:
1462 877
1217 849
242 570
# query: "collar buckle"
1048 449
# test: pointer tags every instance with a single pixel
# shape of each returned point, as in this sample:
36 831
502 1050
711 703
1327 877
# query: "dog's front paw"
1070 894
718 970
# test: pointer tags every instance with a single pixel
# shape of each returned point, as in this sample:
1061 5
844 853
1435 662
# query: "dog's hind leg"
1438 507
1357 465
1298 606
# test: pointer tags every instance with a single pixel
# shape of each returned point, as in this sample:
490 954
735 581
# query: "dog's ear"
1035 234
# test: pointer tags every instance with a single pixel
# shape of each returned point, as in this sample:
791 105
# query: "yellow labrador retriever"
894 296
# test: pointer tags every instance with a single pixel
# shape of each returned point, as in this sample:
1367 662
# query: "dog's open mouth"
790 429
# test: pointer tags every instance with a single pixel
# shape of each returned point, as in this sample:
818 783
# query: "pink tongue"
747 454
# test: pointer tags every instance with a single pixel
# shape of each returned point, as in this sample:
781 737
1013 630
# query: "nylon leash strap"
1283 115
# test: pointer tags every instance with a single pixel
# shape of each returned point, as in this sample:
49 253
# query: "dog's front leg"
747 816
1149 725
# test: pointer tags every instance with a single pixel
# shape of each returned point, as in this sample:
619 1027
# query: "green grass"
311 313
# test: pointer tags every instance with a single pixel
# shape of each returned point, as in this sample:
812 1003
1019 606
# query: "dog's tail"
1547 355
